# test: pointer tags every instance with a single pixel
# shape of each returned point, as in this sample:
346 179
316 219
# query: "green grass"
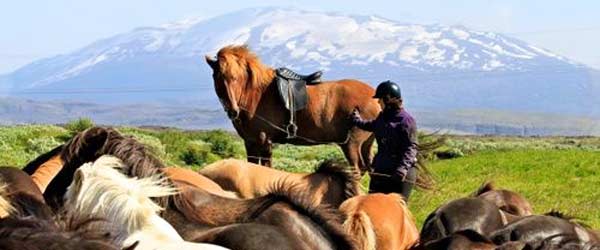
566 180
552 172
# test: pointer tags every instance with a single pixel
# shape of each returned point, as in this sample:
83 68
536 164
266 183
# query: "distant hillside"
192 116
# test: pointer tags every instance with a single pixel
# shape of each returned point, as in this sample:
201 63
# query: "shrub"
198 153
223 144
79 125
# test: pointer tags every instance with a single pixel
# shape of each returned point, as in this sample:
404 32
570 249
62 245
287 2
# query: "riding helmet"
387 88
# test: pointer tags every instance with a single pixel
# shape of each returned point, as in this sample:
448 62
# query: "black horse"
462 214
541 231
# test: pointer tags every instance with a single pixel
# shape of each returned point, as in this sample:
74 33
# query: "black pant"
392 184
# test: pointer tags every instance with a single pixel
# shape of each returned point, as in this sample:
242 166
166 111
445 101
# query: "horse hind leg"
366 153
350 151
358 150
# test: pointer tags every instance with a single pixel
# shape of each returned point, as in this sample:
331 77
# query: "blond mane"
238 62
99 189
6 209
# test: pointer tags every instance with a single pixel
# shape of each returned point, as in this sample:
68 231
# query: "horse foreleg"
265 149
252 152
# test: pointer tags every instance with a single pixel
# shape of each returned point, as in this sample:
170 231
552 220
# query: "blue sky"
35 29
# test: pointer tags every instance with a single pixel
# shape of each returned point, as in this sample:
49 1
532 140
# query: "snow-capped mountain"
440 67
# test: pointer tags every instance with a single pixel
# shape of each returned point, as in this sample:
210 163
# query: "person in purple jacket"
396 134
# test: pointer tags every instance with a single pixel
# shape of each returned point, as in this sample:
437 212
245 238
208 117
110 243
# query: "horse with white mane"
99 189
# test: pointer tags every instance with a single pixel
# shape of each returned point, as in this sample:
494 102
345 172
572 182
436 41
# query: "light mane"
238 62
99 189
6 209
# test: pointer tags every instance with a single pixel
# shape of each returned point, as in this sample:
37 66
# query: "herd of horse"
105 190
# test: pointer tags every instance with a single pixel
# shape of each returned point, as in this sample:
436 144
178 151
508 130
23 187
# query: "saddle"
291 87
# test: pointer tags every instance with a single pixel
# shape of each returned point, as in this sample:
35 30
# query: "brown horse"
89 145
188 176
380 221
331 183
246 90
22 194
508 201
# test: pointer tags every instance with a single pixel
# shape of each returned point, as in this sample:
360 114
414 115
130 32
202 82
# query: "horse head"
238 74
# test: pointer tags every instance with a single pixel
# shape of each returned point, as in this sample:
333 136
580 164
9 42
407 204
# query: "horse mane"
569 218
138 160
238 62
204 211
484 188
33 165
27 205
338 170
426 147
127 200
559 214
6 208
65 232
329 219
96 141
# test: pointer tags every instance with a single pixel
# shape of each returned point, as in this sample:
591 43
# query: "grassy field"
560 173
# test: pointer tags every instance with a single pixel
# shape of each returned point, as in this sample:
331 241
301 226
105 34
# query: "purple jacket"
396 135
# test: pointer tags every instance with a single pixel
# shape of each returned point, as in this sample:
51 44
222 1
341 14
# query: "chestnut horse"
331 183
380 221
188 176
43 168
245 88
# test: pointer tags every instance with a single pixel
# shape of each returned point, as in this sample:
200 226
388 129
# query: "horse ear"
211 62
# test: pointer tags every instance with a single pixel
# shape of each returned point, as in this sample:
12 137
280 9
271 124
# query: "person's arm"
409 156
367 125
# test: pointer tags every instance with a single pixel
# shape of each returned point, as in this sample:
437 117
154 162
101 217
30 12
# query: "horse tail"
359 224
484 188
426 147
365 152
342 172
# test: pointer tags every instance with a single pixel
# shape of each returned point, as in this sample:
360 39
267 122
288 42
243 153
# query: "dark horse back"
537 230
462 214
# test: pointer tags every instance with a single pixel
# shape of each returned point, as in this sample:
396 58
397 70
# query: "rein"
284 130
